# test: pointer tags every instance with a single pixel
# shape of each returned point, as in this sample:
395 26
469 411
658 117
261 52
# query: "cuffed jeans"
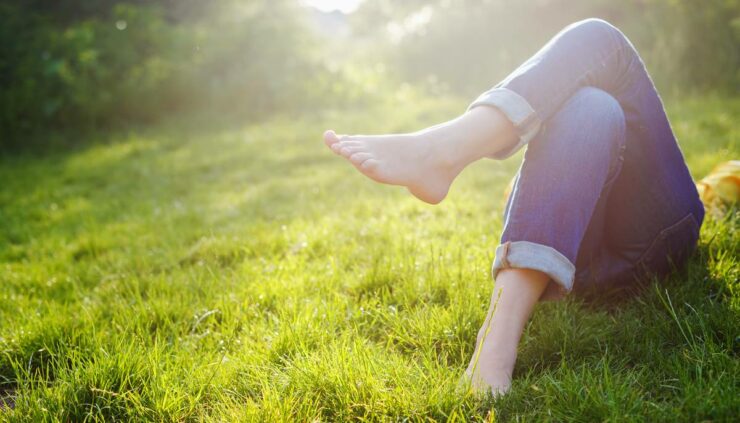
603 195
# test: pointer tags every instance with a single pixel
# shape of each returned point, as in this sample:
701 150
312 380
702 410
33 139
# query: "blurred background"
73 66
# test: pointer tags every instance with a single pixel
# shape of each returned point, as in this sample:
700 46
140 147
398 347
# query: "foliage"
67 67
688 45
133 64
196 272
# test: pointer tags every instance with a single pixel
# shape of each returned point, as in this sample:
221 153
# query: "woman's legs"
603 185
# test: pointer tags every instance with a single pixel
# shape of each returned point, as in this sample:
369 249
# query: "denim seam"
505 254
616 167
661 235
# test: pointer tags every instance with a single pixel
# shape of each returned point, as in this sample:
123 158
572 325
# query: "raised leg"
603 185
426 162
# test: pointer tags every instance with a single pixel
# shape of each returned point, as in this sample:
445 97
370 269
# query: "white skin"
426 162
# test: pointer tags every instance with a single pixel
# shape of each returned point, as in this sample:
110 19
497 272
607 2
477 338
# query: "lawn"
243 273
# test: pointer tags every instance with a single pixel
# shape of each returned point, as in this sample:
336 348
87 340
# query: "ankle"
479 133
486 131
451 148
442 149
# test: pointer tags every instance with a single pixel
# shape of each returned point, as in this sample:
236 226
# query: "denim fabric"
603 195
518 111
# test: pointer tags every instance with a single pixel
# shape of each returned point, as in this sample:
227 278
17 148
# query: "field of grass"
232 274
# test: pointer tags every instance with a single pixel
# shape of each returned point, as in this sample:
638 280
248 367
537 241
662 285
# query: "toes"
349 144
345 148
348 150
359 158
340 149
369 165
330 138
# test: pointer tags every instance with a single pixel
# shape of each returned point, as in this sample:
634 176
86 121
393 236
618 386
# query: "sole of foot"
420 164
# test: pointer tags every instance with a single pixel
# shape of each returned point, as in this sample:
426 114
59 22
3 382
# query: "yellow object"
721 187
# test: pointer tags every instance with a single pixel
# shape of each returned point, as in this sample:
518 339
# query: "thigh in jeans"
638 231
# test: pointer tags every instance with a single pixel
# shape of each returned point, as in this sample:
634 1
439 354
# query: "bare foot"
514 296
426 162
422 163
490 369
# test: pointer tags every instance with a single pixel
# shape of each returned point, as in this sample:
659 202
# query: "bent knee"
596 31
596 115
595 23
599 106
596 98
595 26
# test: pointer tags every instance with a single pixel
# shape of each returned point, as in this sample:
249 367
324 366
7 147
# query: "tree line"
83 64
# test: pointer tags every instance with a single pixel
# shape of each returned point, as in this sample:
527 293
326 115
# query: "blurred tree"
470 44
87 64
70 11
82 64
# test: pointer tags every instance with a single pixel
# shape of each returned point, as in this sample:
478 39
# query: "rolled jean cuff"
530 255
517 110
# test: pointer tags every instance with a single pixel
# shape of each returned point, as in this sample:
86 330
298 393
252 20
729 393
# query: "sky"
344 6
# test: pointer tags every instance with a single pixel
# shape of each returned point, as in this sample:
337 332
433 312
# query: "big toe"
330 138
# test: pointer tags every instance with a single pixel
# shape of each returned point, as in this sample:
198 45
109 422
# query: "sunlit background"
92 64
344 6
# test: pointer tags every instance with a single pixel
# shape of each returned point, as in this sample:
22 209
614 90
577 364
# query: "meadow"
195 271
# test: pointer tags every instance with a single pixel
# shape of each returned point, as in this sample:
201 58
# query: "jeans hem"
517 110
530 255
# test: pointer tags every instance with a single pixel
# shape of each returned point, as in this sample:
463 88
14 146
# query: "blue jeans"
603 196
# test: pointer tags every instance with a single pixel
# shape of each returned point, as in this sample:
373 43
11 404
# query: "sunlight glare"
344 6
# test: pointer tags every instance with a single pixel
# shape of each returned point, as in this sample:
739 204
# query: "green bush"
86 64
135 64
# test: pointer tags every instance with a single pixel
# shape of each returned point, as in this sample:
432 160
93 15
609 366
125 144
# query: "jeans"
603 196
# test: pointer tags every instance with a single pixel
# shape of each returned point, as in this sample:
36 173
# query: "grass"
185 273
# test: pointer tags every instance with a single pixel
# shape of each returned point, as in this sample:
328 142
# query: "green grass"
185 273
